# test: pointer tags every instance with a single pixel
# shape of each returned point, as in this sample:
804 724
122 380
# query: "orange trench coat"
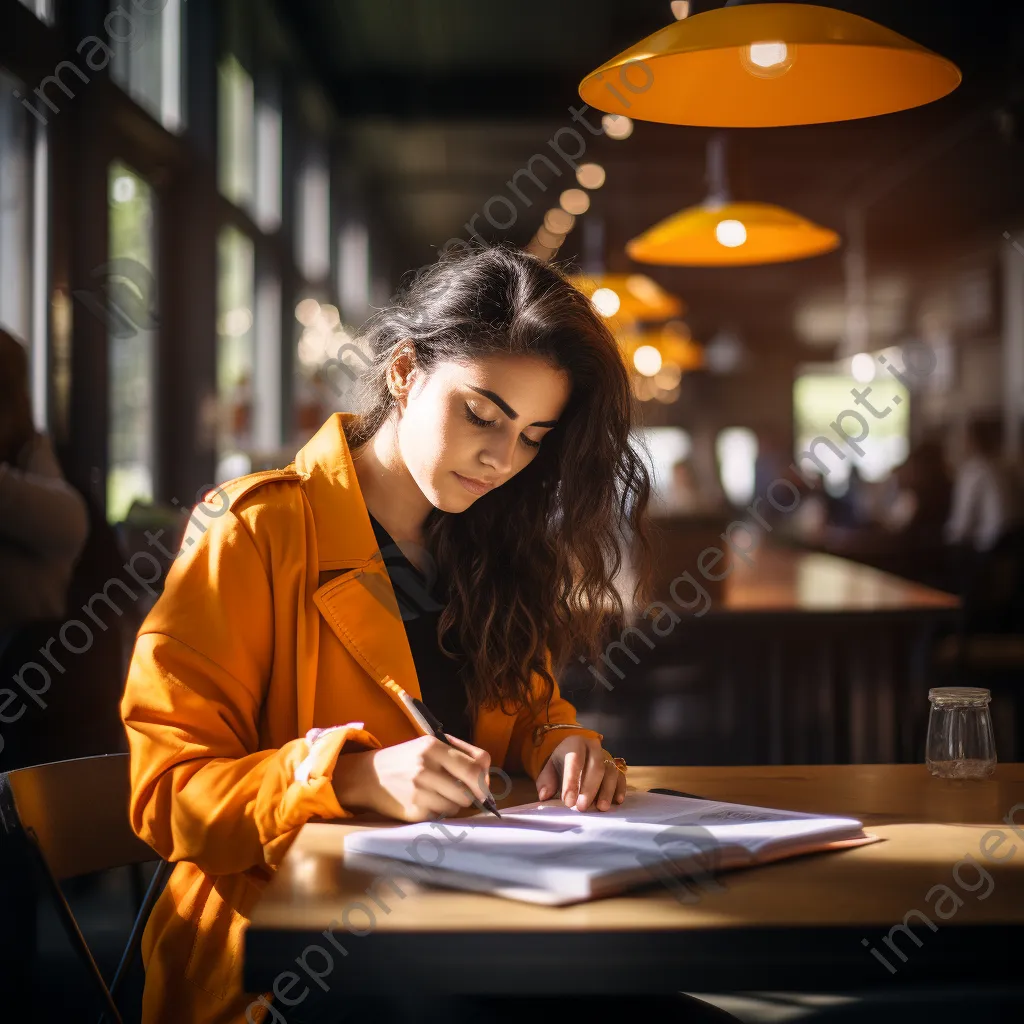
266 603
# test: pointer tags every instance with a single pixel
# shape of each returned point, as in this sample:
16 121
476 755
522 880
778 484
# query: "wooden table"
797 925
802 658
783 582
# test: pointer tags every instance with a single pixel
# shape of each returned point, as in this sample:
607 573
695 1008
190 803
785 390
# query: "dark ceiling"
442 101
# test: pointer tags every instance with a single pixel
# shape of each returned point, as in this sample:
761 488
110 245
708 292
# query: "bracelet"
539 730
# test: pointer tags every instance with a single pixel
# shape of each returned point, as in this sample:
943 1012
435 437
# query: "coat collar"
358 601
344 534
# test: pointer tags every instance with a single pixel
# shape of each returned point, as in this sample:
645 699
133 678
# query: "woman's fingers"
593 776
446 786
620 787
477 753
466 763
606 793
547 781
574 761
432 804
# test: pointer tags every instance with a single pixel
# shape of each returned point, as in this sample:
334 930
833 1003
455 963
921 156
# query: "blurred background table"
800 658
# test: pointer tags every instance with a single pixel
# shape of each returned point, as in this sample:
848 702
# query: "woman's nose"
498 456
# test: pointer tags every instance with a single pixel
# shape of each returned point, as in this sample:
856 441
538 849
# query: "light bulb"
574 201
606 301
768 55
549 239
617 126
768 59
558 222
123 189
590 175
862 367
730 233
647 360
307 312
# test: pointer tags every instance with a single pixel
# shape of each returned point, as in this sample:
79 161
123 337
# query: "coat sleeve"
531 752
202 789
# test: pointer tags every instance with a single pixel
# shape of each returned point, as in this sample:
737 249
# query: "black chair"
988 648
70 818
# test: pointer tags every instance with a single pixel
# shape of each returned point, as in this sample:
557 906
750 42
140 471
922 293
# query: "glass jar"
960 740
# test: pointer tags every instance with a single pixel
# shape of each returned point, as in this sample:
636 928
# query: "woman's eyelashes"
477 421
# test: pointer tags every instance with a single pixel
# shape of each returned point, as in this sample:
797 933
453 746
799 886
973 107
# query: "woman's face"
467 428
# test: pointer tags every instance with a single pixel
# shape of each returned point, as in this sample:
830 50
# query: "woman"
267 684
43 520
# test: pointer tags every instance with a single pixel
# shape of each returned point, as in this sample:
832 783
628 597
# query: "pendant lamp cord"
717 176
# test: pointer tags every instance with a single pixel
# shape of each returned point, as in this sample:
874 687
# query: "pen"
677 792
433 726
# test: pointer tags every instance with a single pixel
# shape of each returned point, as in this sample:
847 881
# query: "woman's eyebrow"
507 409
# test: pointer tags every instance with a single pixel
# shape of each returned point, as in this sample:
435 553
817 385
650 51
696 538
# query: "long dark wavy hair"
531 564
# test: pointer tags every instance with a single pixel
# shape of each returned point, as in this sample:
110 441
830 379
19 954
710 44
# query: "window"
24 248
131 314
736 449
235 353
313 210
15 212
146 38
249 162
672 485
824 401
268 426
267 205
667 446
237 106
354 271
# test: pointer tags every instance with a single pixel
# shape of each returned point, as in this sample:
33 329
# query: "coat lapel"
360 607
355 596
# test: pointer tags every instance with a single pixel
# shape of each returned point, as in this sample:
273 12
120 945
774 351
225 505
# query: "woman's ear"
401 370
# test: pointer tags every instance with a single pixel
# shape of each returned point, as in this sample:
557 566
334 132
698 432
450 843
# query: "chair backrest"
994 596
78 812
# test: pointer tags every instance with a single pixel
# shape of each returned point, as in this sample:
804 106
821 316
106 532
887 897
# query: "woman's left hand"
584 772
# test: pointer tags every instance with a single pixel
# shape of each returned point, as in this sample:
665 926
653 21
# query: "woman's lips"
473 486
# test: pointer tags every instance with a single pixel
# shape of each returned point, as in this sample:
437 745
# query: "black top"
420 605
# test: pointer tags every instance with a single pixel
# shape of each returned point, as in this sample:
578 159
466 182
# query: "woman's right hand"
414 781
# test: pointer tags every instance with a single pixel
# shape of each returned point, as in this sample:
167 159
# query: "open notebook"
548 853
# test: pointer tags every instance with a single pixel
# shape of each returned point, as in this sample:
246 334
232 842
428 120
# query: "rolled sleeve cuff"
310 792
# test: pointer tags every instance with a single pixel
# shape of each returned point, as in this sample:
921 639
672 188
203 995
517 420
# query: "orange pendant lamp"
722 233
755 65
628 297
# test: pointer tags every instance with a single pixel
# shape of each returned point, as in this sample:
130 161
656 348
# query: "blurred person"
43 527
267 686
43 520
919 495
848 510
810 519
771 462
770 465
985 504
